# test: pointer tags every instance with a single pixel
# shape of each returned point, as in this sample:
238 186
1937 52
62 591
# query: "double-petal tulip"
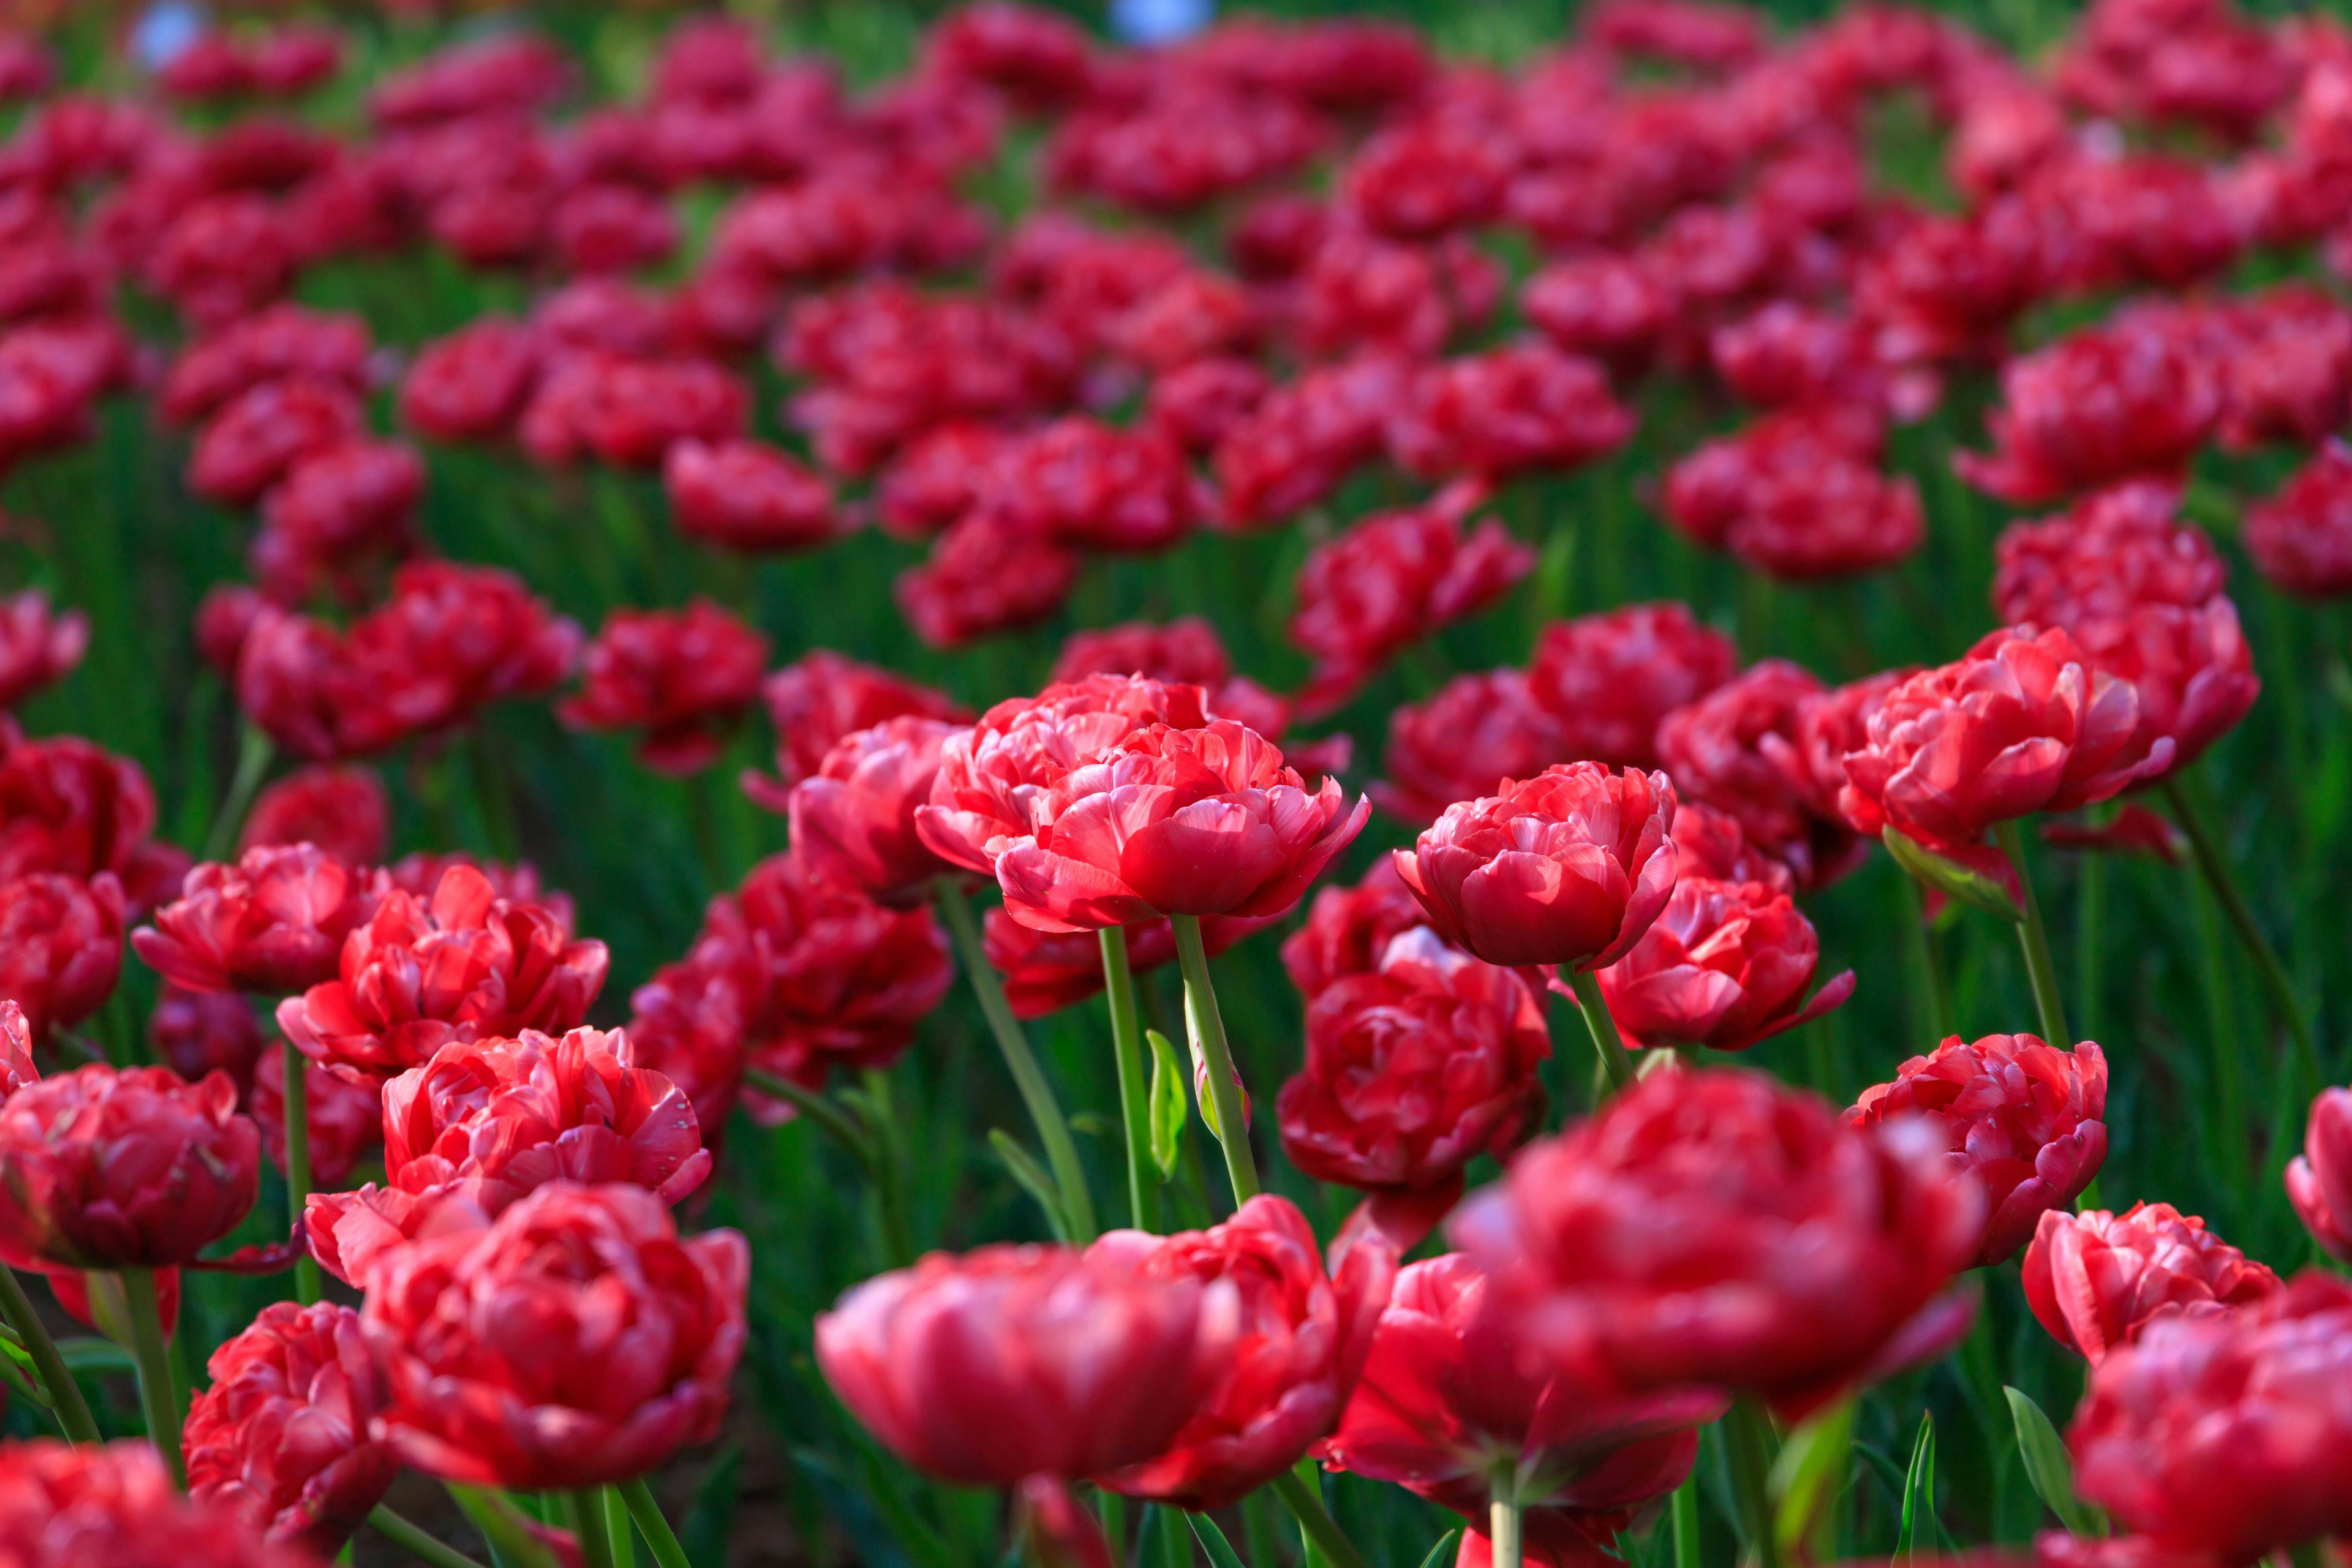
60 946
1717 1227
1725 965
123 1168
1348 929
682 677
342 810
2227 1434
1478 731
464 964
2301 538
1608 679
64 1505
1722 750
69 806
2022 724
2025 1118
37 645
1301 1338
1012 1362
576 1341
2096 1280
2190 666
272 923
2113 552
853 820
2320 1180
1567 868
814 701
283 1435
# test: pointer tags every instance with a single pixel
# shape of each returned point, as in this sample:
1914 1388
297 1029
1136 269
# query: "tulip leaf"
1033 1178
1166 1099
504 1525
2048 1467
709 1518
1212 1542
16 1374
1442 1553
1950 878
1921 1534
1807 1476
88 1352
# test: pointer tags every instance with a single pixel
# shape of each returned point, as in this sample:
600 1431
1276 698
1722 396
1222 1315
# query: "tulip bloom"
282 1437
814 701
60 946
1302 1338
2109 402
1608 679
2316 1179
342 810
1413 1070
345 1118
683 677
16 1066
1567 868
37 645
2112 553
741 495
854 820
66 1506
1348 929
633 1335
1012 1362
69 807
2025 1118
1478 731
271 923
1650 1246
464 964
2096 1280
2190 668
123 1168
1446 1394
1715 749
2301 538
2020 724
2227 1434
1725 965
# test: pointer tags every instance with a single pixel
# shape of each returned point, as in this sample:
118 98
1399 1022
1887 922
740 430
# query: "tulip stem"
1208 1027
1134 1107
66 1402
2206 846
307 1285
1747 1443
2040 969
1685 1518
418 1542
158 1399
1052 1131
656 1529
1503 1517
1930 995
1614 1062
591 1526
1322 1531
254 751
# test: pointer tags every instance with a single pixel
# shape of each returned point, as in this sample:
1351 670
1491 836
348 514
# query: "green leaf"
851 1510
1166 1099
2048 1467
1949 877
1212 1540
1807 1475
88 1353
1442 1553
504 1525
1033 1178
1920 1536
709 1518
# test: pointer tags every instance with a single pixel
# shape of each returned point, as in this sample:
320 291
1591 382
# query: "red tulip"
1445 1396
1039 56
60 946
686 1022
1831 521
279 343
577 1341
420 873
66 805
1770 467
1420 179
472 384
1349 928
122 1168
1045 972
1460 745
37 646
2190 668
2020 724
1300 1344
1708 844
2027 1119
1391 580
973 1369
1196 405
853 821
450 640
346 1120
1653 1246
2114 551
984 576
1415 1068
2226 1433
66 1506
814 701
1303 438
2104 404
282 1437
250 442
2301 538
1402 299
16 1066
1718 749
1186 651
741 495
270 924
1567 868
1725 965
463 965
342 810
1507 412
1081 484
2315 1181
1606 306
2096 1280
1608 679
942 475
683 677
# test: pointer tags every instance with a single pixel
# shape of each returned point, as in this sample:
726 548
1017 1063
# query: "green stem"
862 1145
1685 1507
307 1284
1614 1062
1061 1154
158 1400
1928 994
586 1507
2205 844
415 1540
2040 969
1747 1443
66 1402
254 751
2090 921
889 1171
1134 1110
1209 1031
1306 1503
1503 1518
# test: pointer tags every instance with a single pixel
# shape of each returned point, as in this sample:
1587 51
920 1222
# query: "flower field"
1502 784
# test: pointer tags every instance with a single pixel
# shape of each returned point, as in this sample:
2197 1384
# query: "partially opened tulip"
681 677
853 821
2026 1118
1725 965
60 946
2096 1280
271 923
